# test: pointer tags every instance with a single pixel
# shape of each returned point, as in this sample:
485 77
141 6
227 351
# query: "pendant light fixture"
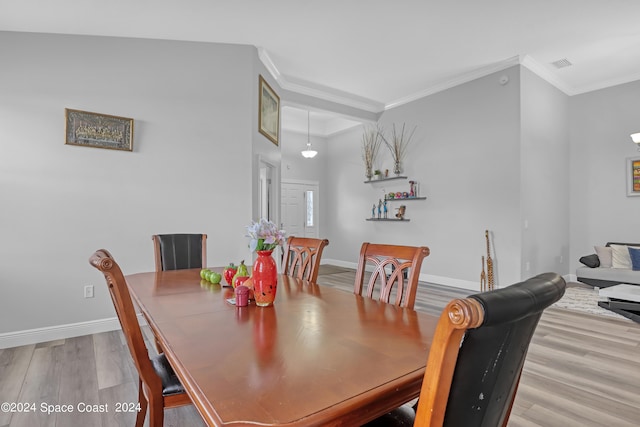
308 153
636 139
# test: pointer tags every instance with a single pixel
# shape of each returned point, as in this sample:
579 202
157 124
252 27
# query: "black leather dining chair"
180 251
158 385
477 355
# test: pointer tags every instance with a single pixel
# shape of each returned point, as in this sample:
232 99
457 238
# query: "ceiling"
374 54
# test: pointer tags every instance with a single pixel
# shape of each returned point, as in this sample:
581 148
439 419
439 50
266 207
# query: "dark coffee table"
623 299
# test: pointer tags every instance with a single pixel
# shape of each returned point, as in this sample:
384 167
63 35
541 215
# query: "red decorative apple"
228 272
239 280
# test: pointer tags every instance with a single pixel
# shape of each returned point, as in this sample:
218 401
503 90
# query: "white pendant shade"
308 153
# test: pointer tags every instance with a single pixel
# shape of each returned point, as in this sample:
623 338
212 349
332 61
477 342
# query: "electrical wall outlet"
88 291
527 266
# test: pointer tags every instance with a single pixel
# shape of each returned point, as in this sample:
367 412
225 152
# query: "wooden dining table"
318 356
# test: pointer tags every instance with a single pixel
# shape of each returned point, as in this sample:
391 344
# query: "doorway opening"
300 208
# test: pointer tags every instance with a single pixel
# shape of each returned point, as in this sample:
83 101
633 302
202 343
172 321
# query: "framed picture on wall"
633 176
268 112
98 130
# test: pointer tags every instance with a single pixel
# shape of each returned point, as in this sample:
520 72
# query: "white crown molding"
606 84
545 74
304 87
463 78
268 63
350 100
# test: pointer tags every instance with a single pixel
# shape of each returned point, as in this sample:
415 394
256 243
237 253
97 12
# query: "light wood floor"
581 370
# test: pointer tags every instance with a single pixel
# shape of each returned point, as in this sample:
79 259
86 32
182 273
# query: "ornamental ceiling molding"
344 98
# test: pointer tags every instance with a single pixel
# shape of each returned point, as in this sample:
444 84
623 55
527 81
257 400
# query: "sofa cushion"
604 255
591 261
617 275
634 254
620 256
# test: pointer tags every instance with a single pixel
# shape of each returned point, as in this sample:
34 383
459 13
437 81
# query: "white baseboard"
52 333
429 278
338 263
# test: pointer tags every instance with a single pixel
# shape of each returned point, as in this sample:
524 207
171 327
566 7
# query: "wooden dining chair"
158 385
180 251
476 356
302 257
395 272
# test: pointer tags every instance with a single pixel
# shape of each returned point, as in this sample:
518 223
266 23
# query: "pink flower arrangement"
264 235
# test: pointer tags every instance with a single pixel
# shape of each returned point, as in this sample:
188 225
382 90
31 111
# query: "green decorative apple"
215 277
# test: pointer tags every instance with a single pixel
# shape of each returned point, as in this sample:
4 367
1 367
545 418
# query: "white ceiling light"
635 137
309 153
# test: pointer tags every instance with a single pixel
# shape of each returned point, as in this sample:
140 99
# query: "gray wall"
466 156
601 122
545 176
194 106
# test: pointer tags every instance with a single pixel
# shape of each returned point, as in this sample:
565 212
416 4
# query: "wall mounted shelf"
388 219
372 181
405 199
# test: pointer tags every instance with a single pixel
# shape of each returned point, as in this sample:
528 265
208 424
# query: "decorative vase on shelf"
369 174
265 278
396 168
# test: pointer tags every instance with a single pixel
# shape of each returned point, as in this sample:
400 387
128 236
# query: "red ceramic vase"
265 279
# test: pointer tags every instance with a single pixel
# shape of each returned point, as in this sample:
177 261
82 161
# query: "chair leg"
143 405
156 412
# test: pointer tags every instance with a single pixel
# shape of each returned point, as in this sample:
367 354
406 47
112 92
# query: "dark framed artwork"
633 176
98 130
268 112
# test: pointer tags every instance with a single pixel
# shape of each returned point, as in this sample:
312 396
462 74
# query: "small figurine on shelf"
379 208
384 209
373 211
412 189
401 211
386 173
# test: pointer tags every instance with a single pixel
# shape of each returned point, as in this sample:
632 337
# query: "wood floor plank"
109 353
79 382
113 397
14 363
40 386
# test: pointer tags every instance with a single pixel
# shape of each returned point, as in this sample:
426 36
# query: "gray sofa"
603 277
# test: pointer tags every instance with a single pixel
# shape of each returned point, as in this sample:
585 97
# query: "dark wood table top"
318 356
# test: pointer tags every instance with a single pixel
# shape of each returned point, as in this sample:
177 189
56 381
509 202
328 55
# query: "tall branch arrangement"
399 142
371 140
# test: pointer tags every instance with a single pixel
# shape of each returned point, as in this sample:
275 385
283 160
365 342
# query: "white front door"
299 208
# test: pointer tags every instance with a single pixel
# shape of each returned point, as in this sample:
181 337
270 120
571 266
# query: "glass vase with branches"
371 141
398 146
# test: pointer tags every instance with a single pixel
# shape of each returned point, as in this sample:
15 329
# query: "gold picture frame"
268 112
96 130
633 176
